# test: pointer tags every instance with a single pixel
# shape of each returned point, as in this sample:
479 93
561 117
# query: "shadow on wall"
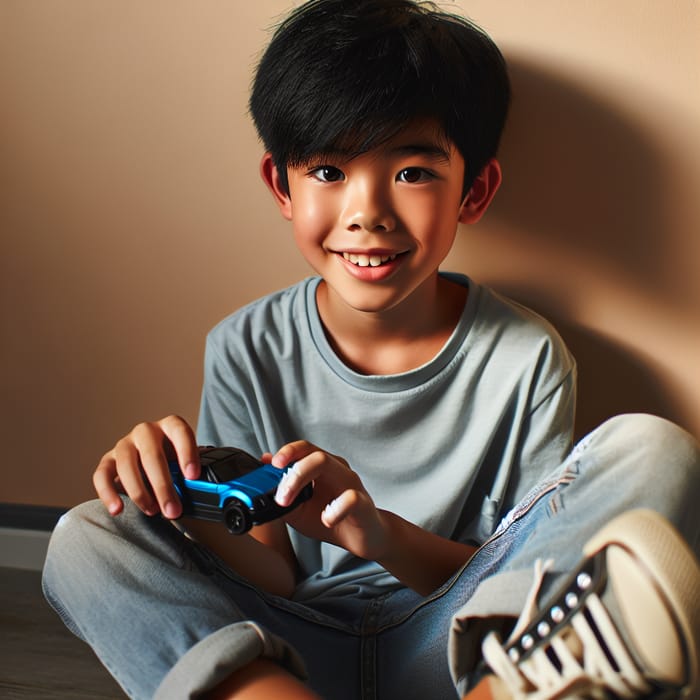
612 381
578 232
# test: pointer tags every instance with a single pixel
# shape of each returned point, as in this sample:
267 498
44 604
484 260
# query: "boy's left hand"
340 511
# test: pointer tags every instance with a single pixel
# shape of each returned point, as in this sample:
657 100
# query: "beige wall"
132 216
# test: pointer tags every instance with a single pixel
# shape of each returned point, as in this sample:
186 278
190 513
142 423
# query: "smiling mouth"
362 260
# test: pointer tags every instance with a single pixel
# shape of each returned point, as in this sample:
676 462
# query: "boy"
425 409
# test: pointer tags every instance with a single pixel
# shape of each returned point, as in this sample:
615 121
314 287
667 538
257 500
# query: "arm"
342 512
264 556
420 559
138 466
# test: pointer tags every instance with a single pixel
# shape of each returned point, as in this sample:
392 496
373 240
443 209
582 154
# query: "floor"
39 657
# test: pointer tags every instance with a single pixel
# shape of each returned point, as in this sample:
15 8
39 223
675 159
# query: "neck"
394 340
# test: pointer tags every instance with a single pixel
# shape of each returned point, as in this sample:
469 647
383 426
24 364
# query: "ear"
271 177
481 193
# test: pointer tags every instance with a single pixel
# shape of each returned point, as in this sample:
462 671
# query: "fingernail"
191 471
282 495
170 510
332 507
282 492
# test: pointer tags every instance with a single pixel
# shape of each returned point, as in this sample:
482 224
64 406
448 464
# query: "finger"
299 475
339 508
293 452
129 470
147 444
266 458
104 481
157 471
182 438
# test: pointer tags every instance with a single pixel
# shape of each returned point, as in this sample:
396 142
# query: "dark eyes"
413 175
329 173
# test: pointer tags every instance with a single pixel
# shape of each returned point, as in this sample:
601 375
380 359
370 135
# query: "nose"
368 207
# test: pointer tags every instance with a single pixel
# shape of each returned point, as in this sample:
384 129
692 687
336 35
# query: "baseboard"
23 549
24 534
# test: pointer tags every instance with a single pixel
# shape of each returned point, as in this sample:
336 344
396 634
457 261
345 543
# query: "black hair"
344 76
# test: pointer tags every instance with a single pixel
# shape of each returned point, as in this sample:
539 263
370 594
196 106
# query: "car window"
225 465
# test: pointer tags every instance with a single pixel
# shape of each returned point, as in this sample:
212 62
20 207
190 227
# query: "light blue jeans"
169 620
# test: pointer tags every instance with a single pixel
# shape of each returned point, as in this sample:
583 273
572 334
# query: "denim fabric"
169 620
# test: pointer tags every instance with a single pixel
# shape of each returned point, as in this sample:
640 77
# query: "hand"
138 466
340 511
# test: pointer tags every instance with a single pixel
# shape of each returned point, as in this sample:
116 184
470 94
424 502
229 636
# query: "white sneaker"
626 624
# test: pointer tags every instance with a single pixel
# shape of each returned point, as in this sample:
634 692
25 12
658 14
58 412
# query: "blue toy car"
234 488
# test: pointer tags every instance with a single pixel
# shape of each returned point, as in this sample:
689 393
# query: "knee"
89 542
658 442
647 461
643 453
73 540
78 526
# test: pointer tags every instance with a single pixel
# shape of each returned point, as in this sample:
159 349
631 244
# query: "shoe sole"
656 579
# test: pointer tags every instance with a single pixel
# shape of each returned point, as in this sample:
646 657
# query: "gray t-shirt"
450 446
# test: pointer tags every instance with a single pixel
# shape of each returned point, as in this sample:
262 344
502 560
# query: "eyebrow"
430 150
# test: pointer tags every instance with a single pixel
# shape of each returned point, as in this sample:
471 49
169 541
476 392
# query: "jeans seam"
368 648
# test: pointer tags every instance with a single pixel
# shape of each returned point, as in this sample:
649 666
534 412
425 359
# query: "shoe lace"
586 658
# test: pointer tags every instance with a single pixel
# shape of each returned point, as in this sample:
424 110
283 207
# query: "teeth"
368 260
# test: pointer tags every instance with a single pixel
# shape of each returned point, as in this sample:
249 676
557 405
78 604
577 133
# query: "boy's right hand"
138 466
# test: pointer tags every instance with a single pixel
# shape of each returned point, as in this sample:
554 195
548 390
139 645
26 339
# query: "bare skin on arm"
343 513
253 556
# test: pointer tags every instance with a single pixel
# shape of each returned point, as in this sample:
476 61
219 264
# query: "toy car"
234 488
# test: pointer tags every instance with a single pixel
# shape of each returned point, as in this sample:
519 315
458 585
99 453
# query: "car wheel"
237 517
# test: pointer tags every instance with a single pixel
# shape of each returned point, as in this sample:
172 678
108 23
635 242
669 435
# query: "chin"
372 303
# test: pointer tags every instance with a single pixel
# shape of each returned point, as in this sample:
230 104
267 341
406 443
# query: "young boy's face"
376 227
